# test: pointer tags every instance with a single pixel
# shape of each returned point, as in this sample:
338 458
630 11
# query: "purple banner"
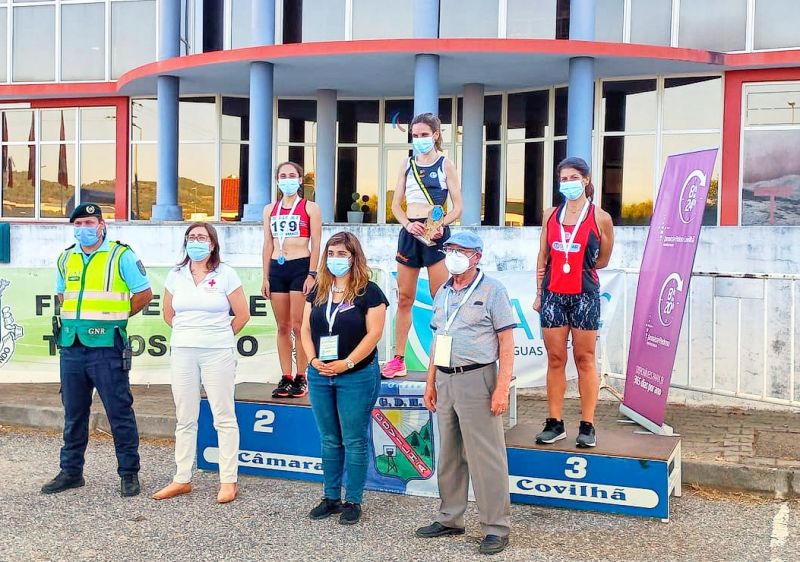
664 281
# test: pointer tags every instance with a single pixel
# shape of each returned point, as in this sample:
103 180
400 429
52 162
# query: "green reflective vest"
97 300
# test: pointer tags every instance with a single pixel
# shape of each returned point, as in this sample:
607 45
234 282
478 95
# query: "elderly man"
100 284
473 325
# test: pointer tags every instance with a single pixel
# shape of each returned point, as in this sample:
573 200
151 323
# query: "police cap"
86 210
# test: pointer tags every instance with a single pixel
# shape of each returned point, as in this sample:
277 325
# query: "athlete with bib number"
292 234
577 239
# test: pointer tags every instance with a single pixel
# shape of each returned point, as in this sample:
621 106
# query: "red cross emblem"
212 283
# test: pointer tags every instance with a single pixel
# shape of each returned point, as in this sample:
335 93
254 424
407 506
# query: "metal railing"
738 339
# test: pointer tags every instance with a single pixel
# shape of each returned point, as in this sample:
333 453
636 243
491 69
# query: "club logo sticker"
10 331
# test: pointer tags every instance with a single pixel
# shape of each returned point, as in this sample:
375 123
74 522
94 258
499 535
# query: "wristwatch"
312 274
349 363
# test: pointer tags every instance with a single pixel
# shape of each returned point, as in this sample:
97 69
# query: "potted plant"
357 209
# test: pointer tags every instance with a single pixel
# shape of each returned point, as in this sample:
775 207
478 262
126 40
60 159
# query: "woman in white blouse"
200 294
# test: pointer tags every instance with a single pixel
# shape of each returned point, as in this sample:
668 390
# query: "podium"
627 473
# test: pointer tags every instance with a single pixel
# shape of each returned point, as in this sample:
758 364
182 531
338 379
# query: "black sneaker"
283 388
436 529
586 437
299 387
129 485
351 513
554 430
63 481
326 508
492 544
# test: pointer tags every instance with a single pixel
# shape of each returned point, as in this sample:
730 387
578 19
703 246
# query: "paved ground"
268 521
746 449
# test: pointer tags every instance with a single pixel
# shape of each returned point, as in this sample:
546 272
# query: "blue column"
166 207
472 154
426 66
580 103
260 172
326 154
260 177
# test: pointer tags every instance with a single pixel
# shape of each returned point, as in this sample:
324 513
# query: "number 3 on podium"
576 467
264 421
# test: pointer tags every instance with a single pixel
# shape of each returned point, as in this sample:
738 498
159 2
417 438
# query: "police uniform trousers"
83 369
472 443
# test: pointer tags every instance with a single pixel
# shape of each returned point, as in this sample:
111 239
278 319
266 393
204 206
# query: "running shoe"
283 388
554 430
299 387
396 367
586 436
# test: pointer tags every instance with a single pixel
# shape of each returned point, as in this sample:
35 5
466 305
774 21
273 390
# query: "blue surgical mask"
338 266
289 186
86 235
423 145
198 251
572 190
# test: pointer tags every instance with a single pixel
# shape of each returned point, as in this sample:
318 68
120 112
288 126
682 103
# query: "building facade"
179 109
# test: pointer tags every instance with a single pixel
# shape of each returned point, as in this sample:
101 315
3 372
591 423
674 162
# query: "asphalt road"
268 521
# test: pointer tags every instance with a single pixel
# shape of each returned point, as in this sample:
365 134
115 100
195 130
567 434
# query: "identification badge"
441 351
328 348
285 225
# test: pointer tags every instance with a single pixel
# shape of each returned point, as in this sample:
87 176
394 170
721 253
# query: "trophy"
432 224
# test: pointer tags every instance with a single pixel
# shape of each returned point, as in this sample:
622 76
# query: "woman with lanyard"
576 241
425 181
200 294
342 324
292 234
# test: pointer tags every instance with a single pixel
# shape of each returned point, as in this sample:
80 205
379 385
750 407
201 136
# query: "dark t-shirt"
350 323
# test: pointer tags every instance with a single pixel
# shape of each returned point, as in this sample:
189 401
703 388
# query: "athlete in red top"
576 241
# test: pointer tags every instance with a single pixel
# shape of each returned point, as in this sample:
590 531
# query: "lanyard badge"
443 345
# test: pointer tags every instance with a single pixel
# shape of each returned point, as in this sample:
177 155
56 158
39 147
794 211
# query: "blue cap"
465 239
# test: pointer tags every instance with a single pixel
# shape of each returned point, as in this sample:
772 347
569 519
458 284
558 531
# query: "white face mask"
456 262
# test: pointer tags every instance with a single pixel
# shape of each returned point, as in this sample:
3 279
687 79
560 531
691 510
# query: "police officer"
100 284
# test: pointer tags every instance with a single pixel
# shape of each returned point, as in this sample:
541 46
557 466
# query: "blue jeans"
85 368
342 407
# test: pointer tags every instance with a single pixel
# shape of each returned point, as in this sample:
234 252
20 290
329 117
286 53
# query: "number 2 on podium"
576 467
264 421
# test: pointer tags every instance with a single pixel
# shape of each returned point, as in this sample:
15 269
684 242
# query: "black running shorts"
288 277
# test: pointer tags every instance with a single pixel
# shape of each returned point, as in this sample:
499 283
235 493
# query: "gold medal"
566 268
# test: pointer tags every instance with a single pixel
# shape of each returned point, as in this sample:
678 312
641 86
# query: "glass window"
83 43
241 17
609 20
99 123
358 121
651 22
19 126
34 43
560 125
771 177
19 180
144 119
468 18
679 143
559 153
531 19
776 24
727 19
628 165
144 158
57 181
297 120
196 179
562 19
693 103
99 175
383 19
527 114
630 105
773 104
398 115
323 20
395 157
492 118
133 35
235 119
525 172
446 117
3 44
233 173
58 124
492 182
357 184
197 119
